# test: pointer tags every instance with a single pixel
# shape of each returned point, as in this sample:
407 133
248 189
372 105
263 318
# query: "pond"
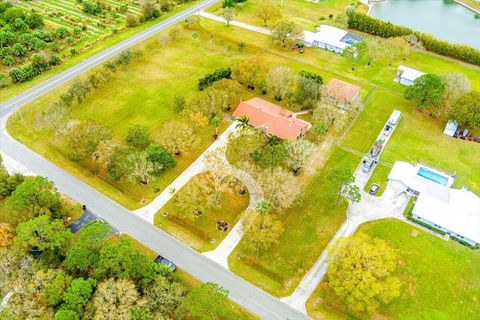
445 20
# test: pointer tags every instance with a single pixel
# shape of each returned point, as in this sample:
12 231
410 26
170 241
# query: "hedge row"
211 78
365 23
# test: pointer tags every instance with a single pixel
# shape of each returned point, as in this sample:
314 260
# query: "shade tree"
427 91
176 136
268 11
286 33
298 152
466 110
138 137
343 180
281 81
279 186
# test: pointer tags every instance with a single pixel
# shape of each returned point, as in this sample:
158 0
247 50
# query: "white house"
455 212
330 38
407 76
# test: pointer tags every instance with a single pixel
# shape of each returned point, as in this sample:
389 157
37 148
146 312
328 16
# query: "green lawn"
309 226
440 278
201 233
417 138
144 93
306 13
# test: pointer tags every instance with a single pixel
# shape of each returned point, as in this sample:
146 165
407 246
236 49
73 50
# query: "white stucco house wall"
330 38
455 212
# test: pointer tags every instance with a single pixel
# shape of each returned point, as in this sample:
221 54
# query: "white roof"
409 73
453 209
327 34
450 128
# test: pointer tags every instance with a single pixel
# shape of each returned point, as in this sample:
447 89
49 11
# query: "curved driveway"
201 267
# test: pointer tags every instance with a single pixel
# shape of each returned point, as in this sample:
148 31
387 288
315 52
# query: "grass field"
306 13
87 50
440 278
417 138
144 95
201 233
309 226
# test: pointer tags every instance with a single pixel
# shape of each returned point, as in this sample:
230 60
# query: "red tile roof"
341 90
275 120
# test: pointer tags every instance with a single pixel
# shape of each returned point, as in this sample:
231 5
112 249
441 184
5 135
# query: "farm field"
307 14
432 270
201 233
92 34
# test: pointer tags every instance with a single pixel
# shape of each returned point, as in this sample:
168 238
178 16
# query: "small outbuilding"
407 76
330 38
451 128
273 119
343 93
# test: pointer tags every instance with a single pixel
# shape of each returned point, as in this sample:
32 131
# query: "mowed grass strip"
201 233
417 137
309 226
440 278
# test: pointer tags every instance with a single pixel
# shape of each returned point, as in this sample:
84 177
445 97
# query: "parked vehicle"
166 262
464 134
367 164
374 189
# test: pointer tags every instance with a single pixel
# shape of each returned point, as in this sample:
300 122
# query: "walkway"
148 212
234 23
392 204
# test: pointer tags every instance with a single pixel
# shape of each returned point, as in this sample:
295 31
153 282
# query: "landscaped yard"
307 14
201 232
440 278
309 226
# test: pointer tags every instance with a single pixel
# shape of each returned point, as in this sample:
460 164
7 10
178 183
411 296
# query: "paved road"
242 292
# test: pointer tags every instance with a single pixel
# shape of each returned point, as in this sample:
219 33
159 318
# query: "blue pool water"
432 176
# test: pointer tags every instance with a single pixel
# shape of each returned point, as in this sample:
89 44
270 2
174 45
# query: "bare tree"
281 80
298 152
139 167
279 186
216 180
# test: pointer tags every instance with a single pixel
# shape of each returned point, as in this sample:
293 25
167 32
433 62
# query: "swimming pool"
432 176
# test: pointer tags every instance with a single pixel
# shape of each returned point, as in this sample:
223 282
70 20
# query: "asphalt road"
201 267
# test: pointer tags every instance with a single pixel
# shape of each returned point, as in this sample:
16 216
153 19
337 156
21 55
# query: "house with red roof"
273 119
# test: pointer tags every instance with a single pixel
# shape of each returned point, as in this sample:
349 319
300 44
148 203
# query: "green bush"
364 23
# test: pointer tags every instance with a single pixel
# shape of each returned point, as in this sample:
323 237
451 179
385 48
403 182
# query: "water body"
443 19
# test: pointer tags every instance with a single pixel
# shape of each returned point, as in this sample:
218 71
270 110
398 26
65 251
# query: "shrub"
217 75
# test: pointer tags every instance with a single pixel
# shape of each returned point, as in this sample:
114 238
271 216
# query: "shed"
407 76
450 128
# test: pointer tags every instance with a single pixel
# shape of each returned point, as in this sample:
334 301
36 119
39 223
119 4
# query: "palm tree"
242 122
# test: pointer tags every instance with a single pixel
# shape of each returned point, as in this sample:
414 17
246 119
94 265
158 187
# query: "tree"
38 196
262 231
216 180
343 181
160 158
164 297
64 314
374 47
58 284
44 233
227 13
139 167
114 299
456 86
307 92
176 136
188 201
82 139
179 103
298 152
251 72
360 272
78 294
242 122
6 235
281 80
263 206
355 53
138 137
270 156
104 152
427 91
394 47
279 187
466 111
150 10
216 121
206 302
267 11
286 33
